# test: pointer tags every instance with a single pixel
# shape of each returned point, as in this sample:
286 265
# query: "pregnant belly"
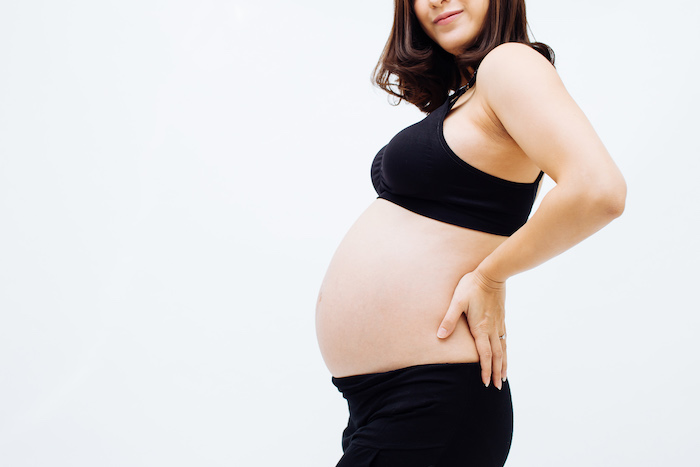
388 287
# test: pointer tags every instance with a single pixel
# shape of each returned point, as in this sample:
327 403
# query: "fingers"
491 357
497 350
504 370
449 322
483 347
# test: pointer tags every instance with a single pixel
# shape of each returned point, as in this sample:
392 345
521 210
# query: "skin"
399 278
459 33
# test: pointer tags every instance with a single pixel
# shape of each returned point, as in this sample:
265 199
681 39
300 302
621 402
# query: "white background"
175 176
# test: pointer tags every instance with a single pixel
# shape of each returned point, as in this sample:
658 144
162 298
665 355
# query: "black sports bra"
418 171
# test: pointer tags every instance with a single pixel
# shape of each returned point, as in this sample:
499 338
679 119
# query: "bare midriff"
389 286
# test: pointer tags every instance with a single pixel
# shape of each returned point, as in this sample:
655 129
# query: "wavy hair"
414 68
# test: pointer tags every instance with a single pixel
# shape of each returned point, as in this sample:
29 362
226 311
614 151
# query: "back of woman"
410 316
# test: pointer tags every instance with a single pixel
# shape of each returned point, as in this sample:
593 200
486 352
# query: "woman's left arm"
524 92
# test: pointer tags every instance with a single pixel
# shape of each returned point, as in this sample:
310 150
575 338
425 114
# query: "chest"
454 143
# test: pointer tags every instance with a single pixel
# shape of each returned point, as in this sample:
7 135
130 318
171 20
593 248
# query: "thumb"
449 322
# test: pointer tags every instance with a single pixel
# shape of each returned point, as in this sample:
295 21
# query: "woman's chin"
455 48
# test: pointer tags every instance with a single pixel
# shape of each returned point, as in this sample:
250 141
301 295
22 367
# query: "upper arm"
524 92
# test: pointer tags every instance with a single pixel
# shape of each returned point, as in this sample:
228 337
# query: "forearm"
566 216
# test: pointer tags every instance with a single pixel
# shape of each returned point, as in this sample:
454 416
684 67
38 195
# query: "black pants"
435 415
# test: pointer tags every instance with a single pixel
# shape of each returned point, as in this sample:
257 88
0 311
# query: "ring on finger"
503 336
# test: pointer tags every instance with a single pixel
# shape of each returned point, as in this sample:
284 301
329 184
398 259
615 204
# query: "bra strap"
464 88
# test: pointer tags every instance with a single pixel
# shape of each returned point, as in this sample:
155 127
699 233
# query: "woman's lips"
447 18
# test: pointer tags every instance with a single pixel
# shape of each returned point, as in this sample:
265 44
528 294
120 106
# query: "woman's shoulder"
513 70
517 52
512 61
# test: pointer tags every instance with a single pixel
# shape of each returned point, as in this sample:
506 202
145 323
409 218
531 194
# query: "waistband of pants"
349 385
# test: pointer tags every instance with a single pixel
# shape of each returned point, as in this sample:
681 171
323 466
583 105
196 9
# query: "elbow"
598 197
610 197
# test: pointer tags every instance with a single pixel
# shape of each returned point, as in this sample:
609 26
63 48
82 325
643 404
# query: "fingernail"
503 379
487 383
442 332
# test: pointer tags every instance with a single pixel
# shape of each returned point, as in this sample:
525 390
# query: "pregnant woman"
410 317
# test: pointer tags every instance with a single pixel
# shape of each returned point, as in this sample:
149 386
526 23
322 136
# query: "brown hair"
414 68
